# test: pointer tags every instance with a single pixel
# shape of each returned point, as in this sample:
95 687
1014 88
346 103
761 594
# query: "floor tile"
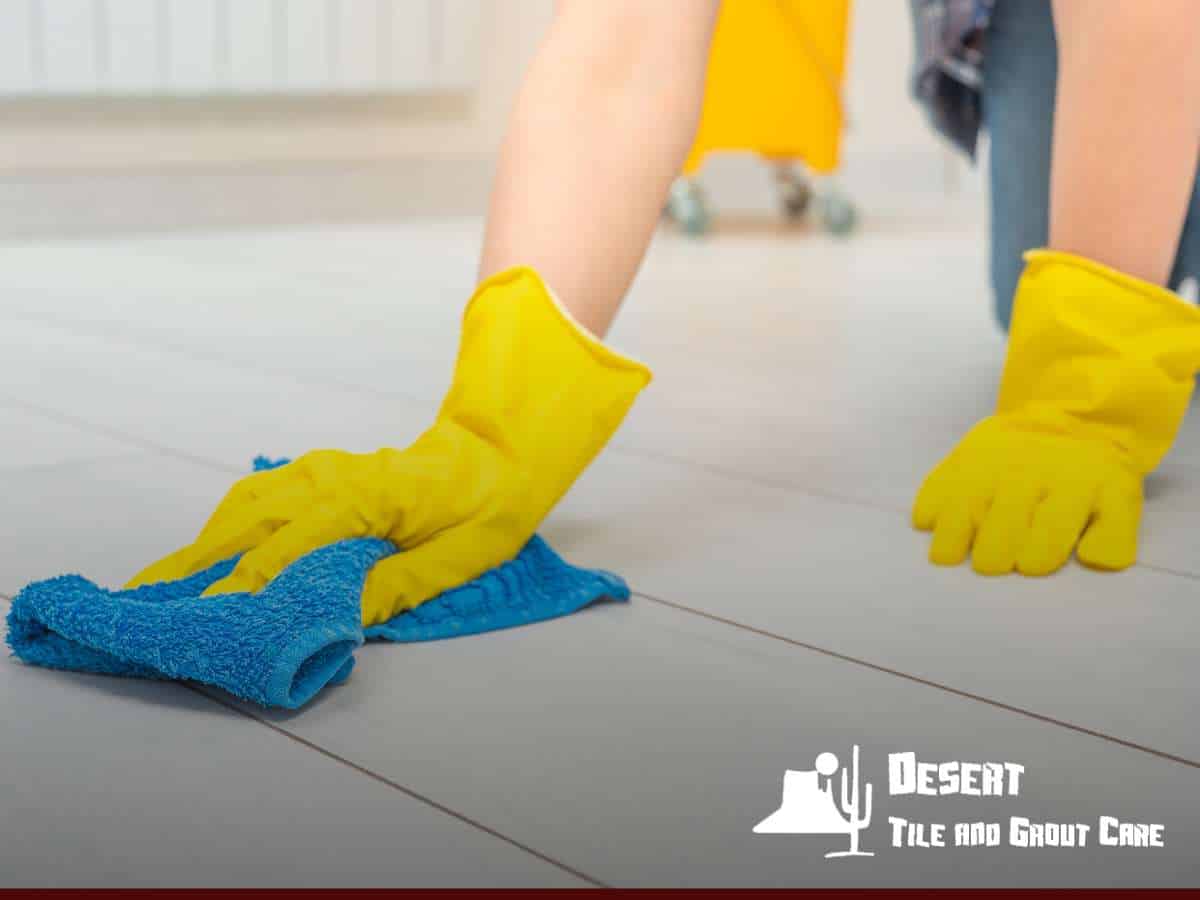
638 743
1168 536
828 360
32 440
802 390
643 745
1081 646
109 782
202 408
337 303
105 519
845 367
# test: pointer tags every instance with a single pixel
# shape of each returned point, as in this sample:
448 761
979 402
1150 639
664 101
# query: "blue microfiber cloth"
281 646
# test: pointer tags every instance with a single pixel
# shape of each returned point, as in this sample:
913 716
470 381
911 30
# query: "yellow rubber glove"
534 399
1099 373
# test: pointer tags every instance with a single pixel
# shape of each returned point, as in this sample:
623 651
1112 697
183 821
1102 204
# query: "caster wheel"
686 207
795 194
838 215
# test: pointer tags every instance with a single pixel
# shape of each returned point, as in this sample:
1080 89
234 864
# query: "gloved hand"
534 399
1099 373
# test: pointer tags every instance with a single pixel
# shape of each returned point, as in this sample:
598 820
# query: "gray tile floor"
756 501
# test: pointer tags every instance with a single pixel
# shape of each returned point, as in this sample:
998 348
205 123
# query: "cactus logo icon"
808 805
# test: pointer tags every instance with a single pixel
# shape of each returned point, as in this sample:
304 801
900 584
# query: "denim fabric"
1020 68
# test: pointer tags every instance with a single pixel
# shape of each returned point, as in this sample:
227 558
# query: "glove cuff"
1100 354
1130 303
536 386
535 284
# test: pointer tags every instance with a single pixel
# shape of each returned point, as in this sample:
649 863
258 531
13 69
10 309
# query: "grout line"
831 496
749 478
394 785
1167 570
143 343
409 792
734 476
353 388
9 469
135 340
160 345
120 436
624 450
926 682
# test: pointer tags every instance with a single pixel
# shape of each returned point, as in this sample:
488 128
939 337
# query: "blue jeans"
1019 73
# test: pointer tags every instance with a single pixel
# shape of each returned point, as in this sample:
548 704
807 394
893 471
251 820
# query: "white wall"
882 112
89 134
890 148
73 135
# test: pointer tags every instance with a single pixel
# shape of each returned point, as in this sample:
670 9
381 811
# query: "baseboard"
80 204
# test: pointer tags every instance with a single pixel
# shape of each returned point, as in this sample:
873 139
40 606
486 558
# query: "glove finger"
248 491
235 534
1005 528
180 563
278 550
1110 541
172 567
1057 524
953 533
929 500
411 577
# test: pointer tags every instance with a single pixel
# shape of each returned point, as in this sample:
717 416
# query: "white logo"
808 806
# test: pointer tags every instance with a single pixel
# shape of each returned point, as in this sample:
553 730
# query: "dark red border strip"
844 894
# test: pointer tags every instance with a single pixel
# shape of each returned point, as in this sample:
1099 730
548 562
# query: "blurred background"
121 116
